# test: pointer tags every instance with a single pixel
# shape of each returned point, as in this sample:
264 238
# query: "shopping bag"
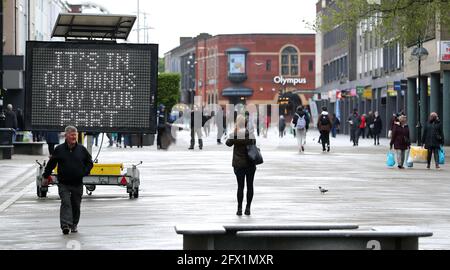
390 162
441 156
418 154
408 160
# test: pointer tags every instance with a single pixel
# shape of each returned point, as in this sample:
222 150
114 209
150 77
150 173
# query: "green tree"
403 20
161 65
168 90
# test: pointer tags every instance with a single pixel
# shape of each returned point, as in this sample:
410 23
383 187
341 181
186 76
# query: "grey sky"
171 19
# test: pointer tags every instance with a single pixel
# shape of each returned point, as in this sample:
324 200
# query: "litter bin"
6 142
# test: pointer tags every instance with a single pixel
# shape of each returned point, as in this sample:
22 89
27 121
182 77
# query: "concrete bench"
29 148
299 237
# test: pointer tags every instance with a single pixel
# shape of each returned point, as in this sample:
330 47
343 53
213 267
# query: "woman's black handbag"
254 154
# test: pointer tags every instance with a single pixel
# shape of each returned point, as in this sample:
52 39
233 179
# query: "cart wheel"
136 194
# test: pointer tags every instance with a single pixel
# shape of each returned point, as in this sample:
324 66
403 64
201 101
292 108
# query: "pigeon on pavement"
322 190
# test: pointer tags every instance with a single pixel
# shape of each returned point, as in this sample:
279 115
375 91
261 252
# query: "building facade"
24 20
364 72
256 69
183 60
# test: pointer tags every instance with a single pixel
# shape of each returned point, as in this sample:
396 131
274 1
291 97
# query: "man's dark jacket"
73 164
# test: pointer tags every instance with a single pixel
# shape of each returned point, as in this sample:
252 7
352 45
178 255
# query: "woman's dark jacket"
400 137
240 154
433 137
378 125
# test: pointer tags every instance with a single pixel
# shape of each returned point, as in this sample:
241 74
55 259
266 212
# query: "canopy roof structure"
93 26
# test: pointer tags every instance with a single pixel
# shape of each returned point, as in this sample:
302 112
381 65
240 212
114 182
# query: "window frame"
284 52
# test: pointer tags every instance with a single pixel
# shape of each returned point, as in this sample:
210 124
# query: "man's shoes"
239 212
191 148
74 229
428 167
247 211
65 230
328 148
303 149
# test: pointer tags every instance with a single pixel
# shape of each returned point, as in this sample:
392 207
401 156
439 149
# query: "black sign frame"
152 48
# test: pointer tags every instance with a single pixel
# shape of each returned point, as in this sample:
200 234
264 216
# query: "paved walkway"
198 187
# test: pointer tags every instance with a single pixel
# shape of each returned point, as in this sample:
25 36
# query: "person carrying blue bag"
400 140
433 139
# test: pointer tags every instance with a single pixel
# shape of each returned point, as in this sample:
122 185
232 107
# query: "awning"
237 92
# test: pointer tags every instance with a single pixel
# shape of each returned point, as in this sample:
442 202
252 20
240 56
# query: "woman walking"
433 138
377 127
244 169
400 140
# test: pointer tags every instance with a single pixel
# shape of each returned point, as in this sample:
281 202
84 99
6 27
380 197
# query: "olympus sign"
284 81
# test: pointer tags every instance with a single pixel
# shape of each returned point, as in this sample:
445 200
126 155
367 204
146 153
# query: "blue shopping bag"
441 156
390 162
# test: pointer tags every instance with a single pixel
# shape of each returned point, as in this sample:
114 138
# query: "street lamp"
419 54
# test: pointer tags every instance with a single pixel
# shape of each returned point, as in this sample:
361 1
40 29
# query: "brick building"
255 68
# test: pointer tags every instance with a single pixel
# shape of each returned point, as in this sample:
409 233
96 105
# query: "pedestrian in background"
324 126
244 169
20 120
433 139
362 126
11 120
74 162
282 126
370 125
377 127
161 125
52 139
394 121
354 121
300 125
335 125
221 123
400 140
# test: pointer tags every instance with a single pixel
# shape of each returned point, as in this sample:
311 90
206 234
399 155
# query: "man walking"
74 162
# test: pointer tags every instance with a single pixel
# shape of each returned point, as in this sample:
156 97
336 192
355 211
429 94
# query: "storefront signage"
367 93
294 81
332 96
360 90
391 90
445 51
237 63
